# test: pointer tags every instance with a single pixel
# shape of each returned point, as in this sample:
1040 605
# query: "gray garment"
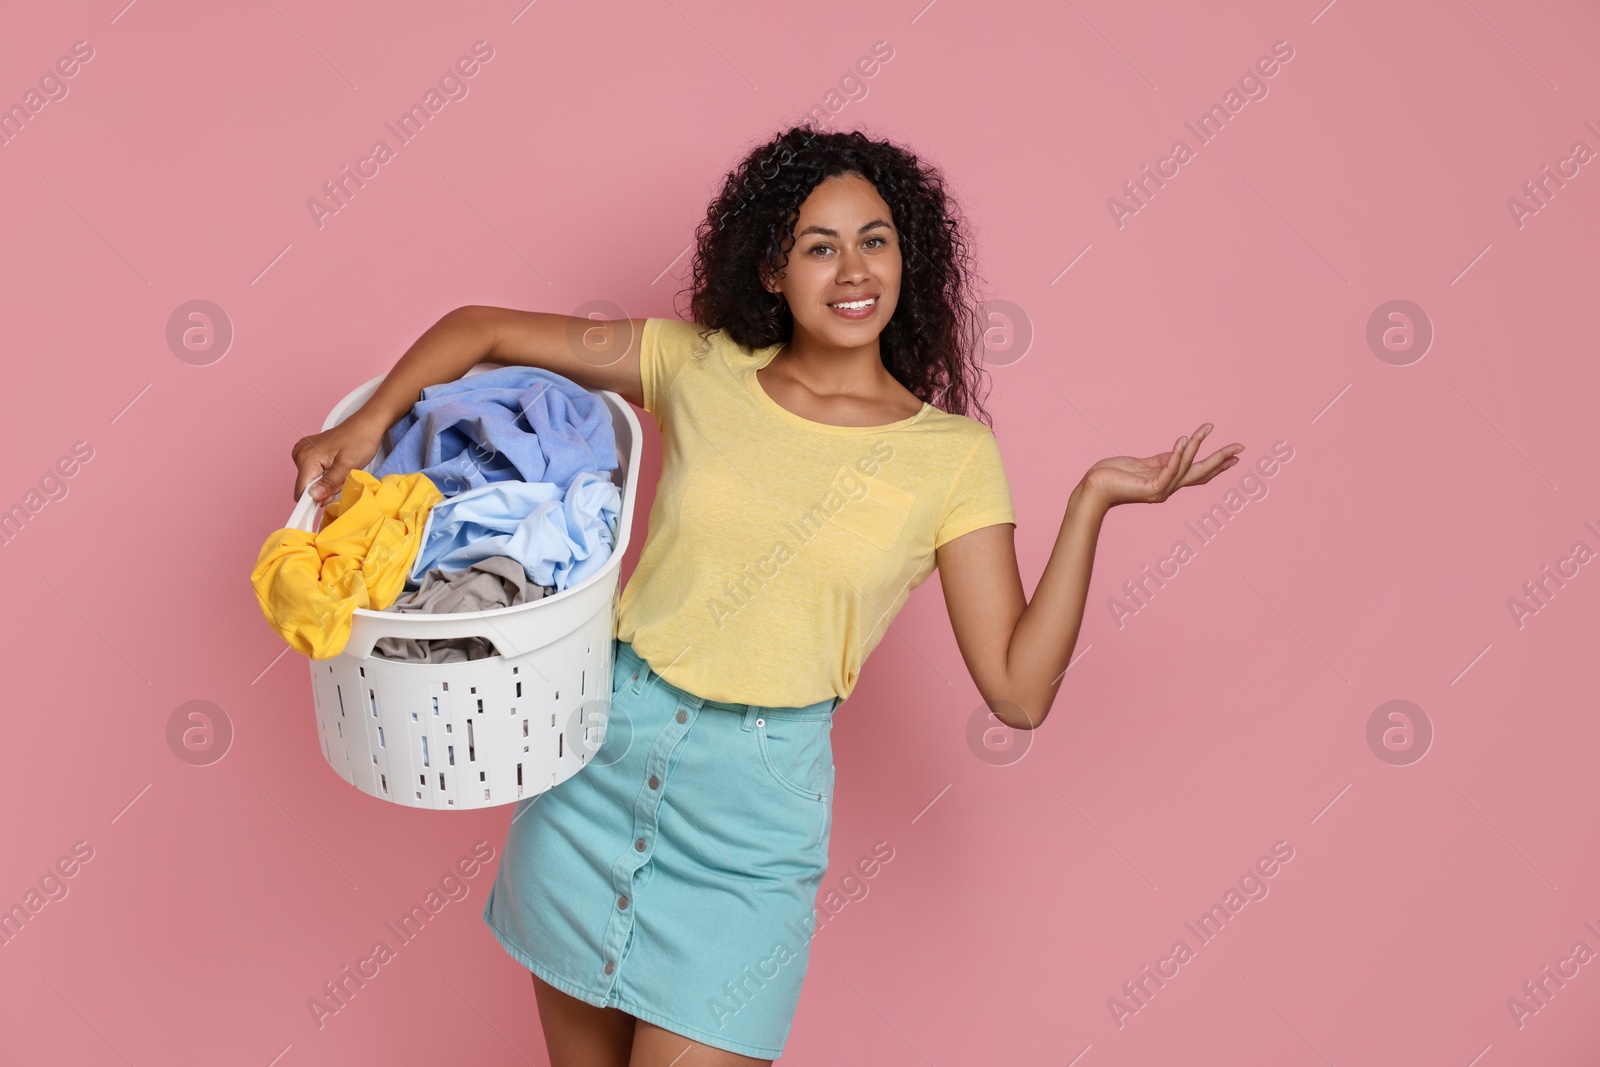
492 582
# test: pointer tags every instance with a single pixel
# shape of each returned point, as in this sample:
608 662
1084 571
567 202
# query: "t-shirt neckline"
767 355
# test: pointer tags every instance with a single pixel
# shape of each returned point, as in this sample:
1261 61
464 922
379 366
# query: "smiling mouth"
855 305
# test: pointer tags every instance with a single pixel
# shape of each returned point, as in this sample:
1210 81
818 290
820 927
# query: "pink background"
1228 714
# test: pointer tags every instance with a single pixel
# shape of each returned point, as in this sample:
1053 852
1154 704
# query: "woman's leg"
582 1035
655 1047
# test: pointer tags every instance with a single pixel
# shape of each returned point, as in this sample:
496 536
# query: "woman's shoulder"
958 428
678 331
696 340
946 441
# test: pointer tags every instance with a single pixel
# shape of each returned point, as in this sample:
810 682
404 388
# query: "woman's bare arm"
1017 650
594 353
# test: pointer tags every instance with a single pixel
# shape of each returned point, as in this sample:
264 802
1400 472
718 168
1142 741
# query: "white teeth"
856 304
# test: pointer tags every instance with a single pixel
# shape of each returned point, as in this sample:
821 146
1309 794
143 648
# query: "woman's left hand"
1150 480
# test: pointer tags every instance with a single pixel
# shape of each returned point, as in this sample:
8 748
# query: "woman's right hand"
325 459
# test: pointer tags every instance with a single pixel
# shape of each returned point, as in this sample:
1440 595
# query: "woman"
818 463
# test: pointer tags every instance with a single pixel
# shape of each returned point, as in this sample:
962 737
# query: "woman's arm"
1017 650
596 354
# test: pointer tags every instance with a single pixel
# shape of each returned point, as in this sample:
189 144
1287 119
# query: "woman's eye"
829 248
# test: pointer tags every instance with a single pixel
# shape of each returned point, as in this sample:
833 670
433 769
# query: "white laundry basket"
480 733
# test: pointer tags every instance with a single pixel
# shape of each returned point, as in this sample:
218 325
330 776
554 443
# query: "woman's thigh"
655 1047
581 1035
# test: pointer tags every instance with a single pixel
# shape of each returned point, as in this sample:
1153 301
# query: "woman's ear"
768 282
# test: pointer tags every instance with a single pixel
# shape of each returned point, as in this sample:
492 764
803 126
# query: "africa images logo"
452 85
847 487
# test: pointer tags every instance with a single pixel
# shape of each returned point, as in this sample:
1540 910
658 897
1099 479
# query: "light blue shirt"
509 424
560 538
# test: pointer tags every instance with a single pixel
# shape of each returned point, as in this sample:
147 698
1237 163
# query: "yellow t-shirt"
779 549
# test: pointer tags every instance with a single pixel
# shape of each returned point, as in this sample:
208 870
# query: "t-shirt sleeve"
665 345
980 496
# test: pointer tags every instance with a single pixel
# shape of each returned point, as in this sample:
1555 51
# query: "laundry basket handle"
305 514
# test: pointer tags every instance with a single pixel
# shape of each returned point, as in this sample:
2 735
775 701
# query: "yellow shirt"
779 549
310 583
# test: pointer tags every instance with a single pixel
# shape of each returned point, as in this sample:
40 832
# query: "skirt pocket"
798 754
797 758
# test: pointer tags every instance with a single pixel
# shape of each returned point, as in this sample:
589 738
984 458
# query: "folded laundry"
509 424
309 583
560 538
492 582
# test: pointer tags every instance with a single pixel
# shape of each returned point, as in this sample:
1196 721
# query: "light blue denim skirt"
675 875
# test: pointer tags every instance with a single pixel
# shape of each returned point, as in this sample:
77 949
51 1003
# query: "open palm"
1151 479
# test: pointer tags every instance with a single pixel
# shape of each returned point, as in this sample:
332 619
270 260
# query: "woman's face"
845 250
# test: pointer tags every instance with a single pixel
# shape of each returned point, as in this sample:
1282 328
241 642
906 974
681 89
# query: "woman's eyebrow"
826 232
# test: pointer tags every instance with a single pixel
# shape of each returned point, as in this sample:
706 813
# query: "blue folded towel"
559 537
509 424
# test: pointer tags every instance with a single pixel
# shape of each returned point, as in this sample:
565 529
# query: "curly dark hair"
933 343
